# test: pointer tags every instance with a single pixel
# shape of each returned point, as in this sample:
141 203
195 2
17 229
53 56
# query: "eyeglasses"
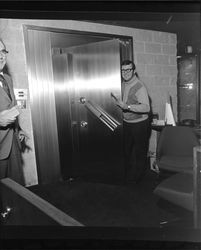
126 70
3 52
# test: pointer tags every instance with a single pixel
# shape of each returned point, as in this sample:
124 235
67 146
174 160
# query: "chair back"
177 140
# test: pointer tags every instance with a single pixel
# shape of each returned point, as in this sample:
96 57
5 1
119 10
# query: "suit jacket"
6 133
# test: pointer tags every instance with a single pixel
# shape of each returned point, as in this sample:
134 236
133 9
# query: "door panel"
94 120
96 69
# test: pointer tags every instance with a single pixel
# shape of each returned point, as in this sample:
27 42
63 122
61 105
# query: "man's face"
2 56
127 72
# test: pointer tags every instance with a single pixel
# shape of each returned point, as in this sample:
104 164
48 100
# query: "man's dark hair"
127 62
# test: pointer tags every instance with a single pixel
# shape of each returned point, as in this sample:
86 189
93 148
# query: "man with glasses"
135 107
10 133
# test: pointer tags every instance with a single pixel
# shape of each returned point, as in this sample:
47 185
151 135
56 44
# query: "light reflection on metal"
102 83
6 213
189 86
83 124
82 100
62 87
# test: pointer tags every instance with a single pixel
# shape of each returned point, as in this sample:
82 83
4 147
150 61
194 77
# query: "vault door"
64 97
95 121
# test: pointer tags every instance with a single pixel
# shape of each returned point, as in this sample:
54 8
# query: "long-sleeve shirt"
135 95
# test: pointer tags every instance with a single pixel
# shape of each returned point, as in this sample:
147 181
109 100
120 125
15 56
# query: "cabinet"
188 87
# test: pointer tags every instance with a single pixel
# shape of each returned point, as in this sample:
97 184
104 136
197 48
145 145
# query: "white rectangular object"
169 118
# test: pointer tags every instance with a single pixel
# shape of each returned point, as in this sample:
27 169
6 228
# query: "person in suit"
11 135
136 123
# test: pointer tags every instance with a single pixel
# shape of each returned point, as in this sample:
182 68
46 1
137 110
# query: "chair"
184 189
175 149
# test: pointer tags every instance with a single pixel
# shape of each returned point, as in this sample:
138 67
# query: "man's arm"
6 118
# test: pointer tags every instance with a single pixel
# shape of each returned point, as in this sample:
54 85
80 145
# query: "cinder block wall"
154 55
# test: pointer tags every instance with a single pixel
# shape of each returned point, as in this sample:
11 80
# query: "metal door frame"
42 161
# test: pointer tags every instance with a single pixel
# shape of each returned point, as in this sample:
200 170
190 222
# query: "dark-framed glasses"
126 70
3 52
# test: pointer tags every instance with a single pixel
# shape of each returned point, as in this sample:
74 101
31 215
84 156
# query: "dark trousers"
136 144
11 167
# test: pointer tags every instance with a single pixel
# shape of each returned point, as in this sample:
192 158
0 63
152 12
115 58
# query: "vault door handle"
82 100
104 117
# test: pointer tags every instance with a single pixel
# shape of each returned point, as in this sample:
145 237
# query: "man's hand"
121 104
5 119
23 135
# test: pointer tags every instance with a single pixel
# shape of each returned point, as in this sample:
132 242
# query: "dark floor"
102 205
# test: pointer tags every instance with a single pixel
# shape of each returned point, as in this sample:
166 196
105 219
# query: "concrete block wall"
154 56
